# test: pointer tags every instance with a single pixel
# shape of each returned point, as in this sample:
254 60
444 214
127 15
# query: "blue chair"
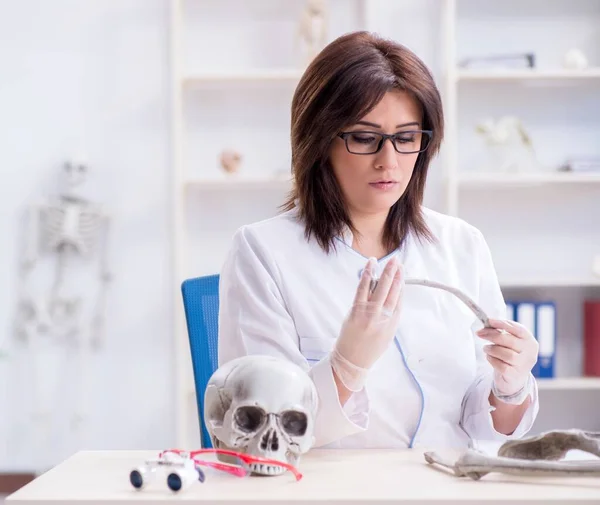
201 304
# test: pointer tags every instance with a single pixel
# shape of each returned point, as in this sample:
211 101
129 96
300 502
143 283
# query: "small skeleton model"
68 227
538 455
312 30
262 406
68 230
510 146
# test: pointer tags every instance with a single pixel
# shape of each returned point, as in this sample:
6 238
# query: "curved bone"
473 461
469 302
535 456
552 445
434 457
476 309
475 465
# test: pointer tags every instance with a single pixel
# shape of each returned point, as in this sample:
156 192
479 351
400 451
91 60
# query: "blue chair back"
201 304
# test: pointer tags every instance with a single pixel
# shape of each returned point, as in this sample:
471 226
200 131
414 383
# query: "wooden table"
342 476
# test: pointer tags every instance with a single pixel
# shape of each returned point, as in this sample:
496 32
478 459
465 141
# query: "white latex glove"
513 354
370 325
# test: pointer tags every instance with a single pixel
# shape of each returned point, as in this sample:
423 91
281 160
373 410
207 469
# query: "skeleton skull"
75 172
263 406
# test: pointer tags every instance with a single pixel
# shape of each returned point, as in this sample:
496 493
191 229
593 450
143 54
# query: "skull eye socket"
249 418
294 423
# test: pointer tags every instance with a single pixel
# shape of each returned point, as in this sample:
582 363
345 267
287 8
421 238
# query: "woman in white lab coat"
402 365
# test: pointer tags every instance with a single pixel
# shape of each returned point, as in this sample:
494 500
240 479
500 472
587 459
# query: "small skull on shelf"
230 161
262 406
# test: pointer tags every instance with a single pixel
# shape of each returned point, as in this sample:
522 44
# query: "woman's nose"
387 157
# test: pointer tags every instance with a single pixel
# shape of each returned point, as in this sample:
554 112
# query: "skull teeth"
263 469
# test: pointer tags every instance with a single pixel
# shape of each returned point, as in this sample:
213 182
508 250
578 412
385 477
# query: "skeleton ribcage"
70 226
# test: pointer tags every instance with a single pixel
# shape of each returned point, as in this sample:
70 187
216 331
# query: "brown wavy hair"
343 83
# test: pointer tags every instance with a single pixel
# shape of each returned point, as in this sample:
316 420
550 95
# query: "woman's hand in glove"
370 325
513 354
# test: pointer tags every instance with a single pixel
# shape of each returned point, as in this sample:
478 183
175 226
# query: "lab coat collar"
346 235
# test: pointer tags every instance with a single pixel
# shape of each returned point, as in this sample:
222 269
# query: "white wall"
92 76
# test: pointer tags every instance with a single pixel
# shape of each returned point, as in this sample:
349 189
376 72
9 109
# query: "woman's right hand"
370 325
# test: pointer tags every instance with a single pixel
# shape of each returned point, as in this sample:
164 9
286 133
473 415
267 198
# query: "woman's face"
372 183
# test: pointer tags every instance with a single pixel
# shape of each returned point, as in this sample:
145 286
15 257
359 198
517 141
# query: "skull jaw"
268 470
279 454
285 456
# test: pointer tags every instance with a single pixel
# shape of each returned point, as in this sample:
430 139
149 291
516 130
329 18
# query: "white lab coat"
282 295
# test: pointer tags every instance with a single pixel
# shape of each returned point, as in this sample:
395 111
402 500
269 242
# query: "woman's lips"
384 186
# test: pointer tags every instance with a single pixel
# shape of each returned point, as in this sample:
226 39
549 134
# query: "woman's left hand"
513 354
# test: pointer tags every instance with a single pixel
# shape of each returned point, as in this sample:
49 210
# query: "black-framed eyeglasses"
405 142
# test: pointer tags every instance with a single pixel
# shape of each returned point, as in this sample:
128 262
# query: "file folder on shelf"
540 319
591 338
546 336
525 314
510 311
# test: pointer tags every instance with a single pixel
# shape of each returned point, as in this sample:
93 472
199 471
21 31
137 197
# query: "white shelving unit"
257 75
523 180
550 282
226 93
570 384
527 75
239 183
232 87
524 215
529 80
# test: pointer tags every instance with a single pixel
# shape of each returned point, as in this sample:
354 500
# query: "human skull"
231 161
75 179
75 172
262 406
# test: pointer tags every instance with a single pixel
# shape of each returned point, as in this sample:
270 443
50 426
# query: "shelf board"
526 75
235 182
524 282
569 384
478 180
257 75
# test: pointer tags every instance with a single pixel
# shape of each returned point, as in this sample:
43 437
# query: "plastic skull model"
263 406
